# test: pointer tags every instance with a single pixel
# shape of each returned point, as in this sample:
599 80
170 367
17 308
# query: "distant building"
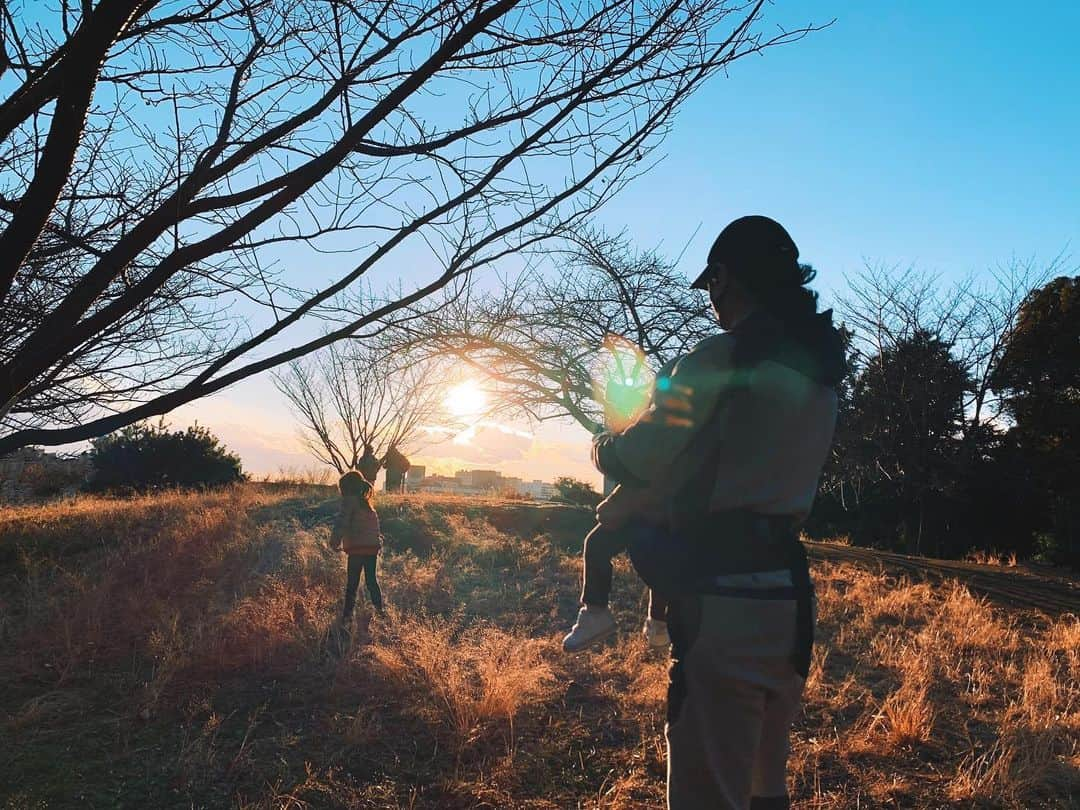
439 483
414 477
486 479
482 482
479 480
541 490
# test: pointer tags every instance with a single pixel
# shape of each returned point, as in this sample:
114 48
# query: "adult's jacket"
744 421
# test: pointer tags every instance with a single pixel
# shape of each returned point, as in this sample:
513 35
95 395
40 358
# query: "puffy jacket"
356 530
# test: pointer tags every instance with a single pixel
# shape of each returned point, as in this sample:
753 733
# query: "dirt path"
1018 587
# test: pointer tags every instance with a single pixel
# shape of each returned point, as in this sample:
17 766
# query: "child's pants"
358 563
601 545
733 695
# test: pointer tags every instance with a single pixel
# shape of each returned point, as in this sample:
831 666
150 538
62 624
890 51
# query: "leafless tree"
158 156
920 431
885 306
349 396
545 344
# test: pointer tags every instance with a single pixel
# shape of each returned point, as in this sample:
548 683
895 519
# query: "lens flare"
622 382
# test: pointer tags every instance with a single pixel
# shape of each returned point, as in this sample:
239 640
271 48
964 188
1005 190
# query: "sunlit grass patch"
469 681
182 647
961 703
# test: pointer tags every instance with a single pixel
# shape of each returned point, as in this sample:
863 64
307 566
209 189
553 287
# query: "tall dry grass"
471 681
168 583
935 697
177 650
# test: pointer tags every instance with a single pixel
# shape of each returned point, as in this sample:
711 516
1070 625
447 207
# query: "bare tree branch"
348 399
550 346
155 155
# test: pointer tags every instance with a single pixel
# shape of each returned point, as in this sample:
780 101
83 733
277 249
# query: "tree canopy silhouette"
907 412
1039 373
150 456
931 454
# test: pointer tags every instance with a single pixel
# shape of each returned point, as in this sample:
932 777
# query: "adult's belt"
743 542
740 542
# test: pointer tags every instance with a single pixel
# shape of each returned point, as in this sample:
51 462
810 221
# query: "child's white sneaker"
593 624
656 632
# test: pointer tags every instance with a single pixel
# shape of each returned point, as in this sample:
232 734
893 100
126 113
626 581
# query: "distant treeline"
959 424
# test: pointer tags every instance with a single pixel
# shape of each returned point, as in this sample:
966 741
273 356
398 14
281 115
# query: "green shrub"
145 457
571 490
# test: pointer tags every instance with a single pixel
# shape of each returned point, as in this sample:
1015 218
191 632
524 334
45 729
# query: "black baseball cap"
750 246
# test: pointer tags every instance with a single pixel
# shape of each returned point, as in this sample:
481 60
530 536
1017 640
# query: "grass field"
174 651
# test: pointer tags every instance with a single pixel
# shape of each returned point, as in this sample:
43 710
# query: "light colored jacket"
356 530
773 426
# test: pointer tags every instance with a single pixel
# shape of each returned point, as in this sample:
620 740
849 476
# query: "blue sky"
939 135
936 134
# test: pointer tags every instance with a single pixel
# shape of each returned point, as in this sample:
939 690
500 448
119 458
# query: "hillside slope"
175 651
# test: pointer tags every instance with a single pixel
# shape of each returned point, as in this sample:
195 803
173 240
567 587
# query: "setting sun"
466 399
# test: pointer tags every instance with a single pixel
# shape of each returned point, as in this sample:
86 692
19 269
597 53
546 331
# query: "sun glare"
466 399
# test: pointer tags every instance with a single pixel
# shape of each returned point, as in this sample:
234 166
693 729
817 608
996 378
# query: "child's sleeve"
376 533
338 531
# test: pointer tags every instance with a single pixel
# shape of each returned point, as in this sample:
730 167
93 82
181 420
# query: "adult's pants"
733 695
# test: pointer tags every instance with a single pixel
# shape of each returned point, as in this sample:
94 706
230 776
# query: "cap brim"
702 281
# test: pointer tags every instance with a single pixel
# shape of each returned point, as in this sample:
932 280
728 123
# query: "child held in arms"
356 532
625 509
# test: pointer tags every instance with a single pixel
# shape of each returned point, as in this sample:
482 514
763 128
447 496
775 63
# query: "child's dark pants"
601 545
358 563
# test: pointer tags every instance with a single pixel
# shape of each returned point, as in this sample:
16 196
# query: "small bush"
571 490
146 457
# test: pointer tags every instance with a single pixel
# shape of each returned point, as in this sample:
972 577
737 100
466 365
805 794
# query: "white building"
541 490
481 482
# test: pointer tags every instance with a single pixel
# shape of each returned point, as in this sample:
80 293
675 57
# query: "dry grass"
935 697
175 651
992 558
472 680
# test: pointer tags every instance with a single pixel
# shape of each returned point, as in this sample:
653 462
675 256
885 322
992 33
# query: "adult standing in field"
733 448
396 466
369 464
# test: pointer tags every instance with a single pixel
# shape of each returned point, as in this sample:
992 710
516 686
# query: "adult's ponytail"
784 294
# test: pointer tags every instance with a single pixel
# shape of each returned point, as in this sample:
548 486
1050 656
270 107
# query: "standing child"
356 532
